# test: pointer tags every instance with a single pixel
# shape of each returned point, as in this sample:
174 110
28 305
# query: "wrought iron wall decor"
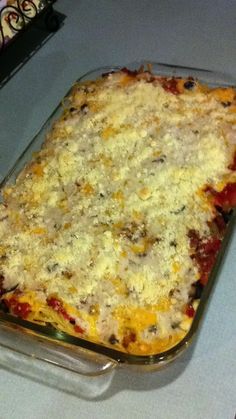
16 15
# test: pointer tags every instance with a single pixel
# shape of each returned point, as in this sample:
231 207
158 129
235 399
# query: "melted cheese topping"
100 217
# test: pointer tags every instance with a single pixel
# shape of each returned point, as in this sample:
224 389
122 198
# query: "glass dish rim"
62 338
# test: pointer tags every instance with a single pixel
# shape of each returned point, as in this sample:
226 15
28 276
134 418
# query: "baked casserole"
111 231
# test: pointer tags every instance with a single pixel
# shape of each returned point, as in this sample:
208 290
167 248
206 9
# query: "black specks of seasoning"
74 236
173 243
195 131
101 195
160 159
67 274
113 339
90 263
174 292
133 232
142 255
84 108
189 84
87 89
226 104
153 328
52 268
142 231
73 109
72 321
175 325
178 211
171 293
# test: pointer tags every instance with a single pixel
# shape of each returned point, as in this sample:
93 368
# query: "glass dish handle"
82 373
14 344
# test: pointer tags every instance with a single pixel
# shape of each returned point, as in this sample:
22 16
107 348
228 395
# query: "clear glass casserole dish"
75 364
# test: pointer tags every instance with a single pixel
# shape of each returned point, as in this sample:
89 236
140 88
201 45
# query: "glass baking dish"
75 364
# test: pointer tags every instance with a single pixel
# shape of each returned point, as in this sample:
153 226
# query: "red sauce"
132 73
78 329
227 197
205 253
58 306
130 337
19 309
54 303
171 85
190 312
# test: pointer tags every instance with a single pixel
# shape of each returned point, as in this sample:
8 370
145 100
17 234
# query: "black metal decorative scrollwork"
15 17
28 8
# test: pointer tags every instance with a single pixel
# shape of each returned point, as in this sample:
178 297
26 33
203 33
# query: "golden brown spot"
107 161
94 310
137 215
232 109
126 79
67 226
119 285
176 267
118 196
67 274
156 153
73 290
39 230
144 193
108 132
223 94
87 189
37 169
